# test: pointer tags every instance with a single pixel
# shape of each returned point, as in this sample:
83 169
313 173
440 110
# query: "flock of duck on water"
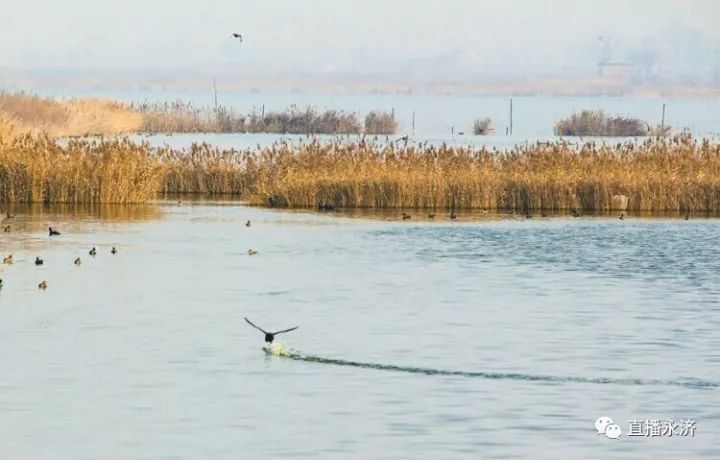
528 215
10 259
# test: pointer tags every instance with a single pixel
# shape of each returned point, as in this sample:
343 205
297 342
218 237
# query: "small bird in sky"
238 36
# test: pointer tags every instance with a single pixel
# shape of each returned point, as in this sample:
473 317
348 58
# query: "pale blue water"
438 118
145 354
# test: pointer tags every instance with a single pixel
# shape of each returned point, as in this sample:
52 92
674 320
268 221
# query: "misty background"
659 41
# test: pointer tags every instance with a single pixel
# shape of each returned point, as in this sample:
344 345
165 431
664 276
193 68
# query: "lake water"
543 325
438 118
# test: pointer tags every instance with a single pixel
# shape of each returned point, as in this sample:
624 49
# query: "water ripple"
684 382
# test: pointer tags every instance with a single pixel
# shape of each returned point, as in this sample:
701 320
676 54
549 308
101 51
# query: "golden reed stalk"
38 169
678 174
658 175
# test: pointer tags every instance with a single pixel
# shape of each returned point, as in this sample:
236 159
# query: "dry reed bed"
73 117
598 123
658 175
180 117
38 169
84 117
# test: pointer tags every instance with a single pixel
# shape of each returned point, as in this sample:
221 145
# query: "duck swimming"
252 252
113 250
247 224
93 252
39 261
406 216
52 232
9 260
78 261
42 286
270 336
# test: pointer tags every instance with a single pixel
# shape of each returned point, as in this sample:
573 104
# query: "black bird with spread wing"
270 336
238 36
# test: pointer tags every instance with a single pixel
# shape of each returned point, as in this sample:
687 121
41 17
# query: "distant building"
614 70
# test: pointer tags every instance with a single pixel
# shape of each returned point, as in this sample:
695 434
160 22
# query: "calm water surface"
145 354
438 118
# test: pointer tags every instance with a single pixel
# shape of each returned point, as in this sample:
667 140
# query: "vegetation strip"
677 174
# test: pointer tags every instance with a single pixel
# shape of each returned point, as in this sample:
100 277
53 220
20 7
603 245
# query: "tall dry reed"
658 175
598 123
184 117
377 122
73 117
679 174
482 127
207 170
38 169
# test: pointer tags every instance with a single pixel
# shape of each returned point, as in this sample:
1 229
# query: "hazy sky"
326 35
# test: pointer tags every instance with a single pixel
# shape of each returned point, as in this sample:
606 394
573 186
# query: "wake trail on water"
277 349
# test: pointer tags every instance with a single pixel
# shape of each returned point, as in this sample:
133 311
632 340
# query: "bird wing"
286 330
256 327
405 139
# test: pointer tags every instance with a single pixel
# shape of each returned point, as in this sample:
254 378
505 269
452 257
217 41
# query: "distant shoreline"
549 86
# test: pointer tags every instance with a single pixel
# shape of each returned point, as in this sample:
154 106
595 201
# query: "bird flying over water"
238 36
405 139
270 336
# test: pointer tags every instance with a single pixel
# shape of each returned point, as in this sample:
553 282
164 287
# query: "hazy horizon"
668 39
